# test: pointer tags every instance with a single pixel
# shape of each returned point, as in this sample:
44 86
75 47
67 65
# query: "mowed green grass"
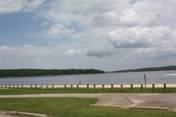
8 91
74 107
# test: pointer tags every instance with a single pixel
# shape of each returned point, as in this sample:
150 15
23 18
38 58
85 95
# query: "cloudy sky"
101 34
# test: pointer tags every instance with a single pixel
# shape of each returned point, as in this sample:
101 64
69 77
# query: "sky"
99 34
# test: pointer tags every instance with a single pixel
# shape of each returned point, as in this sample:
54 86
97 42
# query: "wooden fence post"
87 86
94 86
121 86
164 87
65 86
131 86
153 87
77 86
112 86
142 87
71 86
103 86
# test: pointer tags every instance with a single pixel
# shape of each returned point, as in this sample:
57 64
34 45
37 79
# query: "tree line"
162 68
44 72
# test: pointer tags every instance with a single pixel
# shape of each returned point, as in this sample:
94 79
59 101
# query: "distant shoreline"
55 72
148 69
45 72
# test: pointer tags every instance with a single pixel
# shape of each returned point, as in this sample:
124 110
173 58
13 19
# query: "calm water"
108 78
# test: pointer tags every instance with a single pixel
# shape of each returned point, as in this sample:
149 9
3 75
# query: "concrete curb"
22 113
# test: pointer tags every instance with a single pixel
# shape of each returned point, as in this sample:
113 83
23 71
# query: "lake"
107 78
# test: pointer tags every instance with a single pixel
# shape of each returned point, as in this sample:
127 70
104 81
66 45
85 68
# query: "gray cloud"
100 53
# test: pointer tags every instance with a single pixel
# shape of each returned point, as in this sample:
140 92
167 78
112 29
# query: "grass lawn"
74 107
82 90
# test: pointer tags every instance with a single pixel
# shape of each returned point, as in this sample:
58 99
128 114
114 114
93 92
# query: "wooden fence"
103 86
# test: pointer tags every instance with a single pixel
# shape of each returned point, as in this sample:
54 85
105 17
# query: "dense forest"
149 69
44 72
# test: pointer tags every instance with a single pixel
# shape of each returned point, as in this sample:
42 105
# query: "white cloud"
124 24
26 56
59 30
11 6
29 56
143 37
73 51
24 50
